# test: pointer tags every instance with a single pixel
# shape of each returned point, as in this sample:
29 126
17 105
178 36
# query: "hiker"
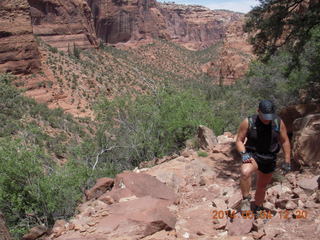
258 142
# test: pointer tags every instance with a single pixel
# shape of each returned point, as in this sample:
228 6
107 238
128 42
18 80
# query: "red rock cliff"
18 48
63 23
192 26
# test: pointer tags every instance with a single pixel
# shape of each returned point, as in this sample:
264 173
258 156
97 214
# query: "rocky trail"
187 197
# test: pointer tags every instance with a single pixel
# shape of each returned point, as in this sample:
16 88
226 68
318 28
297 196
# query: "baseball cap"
267 109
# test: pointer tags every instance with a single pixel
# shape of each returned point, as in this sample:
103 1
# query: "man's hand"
286 167
246 157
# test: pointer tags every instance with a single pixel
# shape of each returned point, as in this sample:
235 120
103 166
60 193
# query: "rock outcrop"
192 26
18 48
306 139
291 113
63 24
195 27
122 20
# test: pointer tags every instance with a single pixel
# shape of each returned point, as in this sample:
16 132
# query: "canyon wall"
83 23
18 48
63 24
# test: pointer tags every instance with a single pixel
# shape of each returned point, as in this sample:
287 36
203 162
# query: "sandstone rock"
240 225
141 184
258 235
108 199
194 220
281 203
301 205
290 205
235 200
59 227
297 191
134 219
63 24
219 204
311 204
172 173
268 205
306 140
224 139
258 224
291 177
186 153
207 139
309 183
273 231
102 185
226 149
35 232
278 190
18 49
291 113
194 27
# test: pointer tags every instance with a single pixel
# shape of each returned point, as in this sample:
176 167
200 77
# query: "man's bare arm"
241 136
285 143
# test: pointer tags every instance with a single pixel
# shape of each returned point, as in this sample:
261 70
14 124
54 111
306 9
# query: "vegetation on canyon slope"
130 127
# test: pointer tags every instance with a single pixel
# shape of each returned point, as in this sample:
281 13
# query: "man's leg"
247 169
262 181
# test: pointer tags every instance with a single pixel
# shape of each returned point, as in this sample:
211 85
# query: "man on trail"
258 142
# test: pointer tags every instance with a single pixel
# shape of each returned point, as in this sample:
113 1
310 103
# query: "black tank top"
262 138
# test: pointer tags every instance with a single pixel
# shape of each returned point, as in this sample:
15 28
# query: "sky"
243 6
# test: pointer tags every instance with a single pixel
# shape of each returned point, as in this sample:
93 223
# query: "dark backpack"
275 124
275 130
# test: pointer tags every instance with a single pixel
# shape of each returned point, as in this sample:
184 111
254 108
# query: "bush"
152 126
202 154
33 190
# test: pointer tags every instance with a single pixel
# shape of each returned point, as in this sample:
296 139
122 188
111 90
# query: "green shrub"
33 189
202 154
152 126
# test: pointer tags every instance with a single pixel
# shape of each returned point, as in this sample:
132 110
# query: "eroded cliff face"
123 20
63 24
18 48
235 55
194 27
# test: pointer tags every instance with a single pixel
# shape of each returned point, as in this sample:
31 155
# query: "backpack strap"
251 121
276 124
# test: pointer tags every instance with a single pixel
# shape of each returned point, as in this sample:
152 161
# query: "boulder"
102 185
115 195
306 139
133 219
309 183
291 113
35 232
240 225
207 139
141 184
235 200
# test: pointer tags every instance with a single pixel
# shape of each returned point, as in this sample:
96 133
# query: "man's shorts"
266 163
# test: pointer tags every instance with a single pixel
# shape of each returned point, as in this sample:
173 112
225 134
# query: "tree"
274 24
